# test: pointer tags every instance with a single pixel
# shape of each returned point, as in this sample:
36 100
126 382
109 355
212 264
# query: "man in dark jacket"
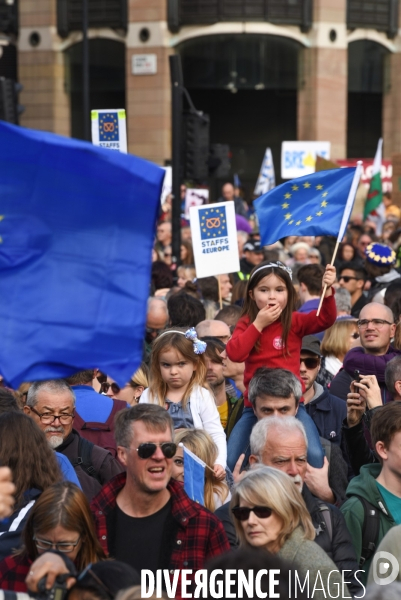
282 444
51 404
326 410
376 327
362 403
253 256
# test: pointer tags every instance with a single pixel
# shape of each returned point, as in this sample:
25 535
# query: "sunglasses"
355 335
148 449
310 363
105 386
347 278
241 513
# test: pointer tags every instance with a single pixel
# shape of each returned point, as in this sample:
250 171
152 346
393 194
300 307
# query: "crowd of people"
295 412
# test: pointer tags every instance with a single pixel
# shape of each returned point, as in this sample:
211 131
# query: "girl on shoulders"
269 334
177 375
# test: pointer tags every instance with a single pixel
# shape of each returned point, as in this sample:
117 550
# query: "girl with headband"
177 376
269 334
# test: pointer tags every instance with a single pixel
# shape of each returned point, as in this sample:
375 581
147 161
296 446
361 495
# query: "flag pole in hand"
345 219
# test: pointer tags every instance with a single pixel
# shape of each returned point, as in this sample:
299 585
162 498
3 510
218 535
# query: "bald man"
156 320
376 327
217 329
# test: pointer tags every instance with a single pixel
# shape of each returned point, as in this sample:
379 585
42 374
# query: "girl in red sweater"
269 334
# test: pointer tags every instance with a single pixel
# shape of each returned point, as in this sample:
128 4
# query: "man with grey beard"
281 443
51 404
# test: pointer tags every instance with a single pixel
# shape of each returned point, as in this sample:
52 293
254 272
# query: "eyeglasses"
377 323
105 386
347 278
310 363
241 513
59 546
48 419
147 449
355 335
88 571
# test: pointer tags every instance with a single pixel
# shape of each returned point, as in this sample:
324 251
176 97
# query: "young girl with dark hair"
269 334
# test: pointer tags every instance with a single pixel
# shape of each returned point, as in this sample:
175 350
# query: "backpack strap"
370 530
84 459
326 514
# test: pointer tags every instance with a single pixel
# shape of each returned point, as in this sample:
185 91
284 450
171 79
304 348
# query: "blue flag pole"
344 222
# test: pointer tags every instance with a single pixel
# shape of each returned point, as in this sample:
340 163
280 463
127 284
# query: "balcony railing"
207 12
381 15
102 13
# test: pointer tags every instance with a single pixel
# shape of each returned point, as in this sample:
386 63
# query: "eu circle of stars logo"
213 223
108 127
317 192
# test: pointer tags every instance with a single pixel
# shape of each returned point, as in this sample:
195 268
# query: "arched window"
107 78
366 61
248 85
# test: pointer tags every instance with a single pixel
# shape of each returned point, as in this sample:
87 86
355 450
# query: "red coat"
241 347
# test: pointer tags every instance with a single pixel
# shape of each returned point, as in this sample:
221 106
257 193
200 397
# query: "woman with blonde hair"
337 341
201 444
270 514
132 390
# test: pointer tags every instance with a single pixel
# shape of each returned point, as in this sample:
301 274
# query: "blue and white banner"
299 158
214 239
109 129
194 476
266 180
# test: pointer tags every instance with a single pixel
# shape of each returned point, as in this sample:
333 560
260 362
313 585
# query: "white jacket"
205 416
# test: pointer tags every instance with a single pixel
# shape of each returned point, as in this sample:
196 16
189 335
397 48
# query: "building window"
365 97
106 79
206 12
378 14
101 13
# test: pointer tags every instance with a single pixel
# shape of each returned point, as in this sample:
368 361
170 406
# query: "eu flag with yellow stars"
309 205
212 222
77 226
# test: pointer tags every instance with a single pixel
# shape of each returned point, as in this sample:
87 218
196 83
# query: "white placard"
214 239
167 184
299 158
266 180
144 64
109 129
195 197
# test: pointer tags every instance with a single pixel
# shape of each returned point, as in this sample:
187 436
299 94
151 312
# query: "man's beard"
297 479
55 440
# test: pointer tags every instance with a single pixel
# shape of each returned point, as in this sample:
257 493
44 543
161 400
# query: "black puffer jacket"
338 546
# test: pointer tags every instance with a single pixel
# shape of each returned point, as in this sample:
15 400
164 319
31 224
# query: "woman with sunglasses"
132 391
337 341
270 514
60 520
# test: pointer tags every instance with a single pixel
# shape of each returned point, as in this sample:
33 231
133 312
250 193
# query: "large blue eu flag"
77 226
309 205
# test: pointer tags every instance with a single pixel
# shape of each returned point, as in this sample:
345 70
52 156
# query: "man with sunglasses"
143 517
376 328
326 410
51 404
352 277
